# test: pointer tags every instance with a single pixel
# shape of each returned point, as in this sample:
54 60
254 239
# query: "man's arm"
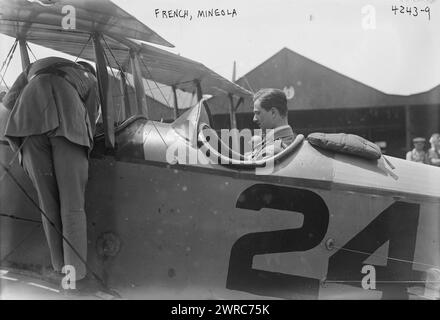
15 91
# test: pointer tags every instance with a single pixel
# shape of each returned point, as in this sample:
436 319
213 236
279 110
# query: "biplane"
315 224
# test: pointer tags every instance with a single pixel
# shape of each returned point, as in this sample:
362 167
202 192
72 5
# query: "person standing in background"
434 152
418 154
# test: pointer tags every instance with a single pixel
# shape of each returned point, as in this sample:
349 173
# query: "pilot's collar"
281 128
273 132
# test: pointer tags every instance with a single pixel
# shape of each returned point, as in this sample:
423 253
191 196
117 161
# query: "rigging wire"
151 76
6 168
83 48
30 50
11 51
385 257
249 85
10 216
3 80
52 224
16 153
149 89
20 243
111 52
114 76
121 70
8 60
153 122
14 46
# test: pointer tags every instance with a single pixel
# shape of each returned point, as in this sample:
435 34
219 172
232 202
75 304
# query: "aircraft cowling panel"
129 140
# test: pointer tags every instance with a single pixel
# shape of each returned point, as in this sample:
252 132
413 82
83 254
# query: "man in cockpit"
53 105
270 113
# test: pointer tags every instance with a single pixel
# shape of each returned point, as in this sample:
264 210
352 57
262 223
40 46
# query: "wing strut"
104 92
408 126
139 88
126 99
199 89
200 98
25 61
233 110
176 105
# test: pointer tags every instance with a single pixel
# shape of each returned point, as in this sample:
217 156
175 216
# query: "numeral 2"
241 275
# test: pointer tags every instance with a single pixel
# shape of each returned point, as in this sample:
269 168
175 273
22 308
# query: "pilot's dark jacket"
42 100
273 143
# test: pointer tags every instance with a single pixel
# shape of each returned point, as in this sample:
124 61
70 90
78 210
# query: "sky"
394 52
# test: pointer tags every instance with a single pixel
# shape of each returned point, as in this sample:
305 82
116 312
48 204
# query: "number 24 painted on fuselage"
345 264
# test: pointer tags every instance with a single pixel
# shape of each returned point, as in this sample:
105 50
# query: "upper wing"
41 25
33 20
171 69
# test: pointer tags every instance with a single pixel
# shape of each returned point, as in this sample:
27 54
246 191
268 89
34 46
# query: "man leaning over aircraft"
53 105
270 113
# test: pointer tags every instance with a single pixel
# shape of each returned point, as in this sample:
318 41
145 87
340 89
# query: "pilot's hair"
272 98
88 66
434 138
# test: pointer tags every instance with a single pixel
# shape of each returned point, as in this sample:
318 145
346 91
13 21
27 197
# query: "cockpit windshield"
187 125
